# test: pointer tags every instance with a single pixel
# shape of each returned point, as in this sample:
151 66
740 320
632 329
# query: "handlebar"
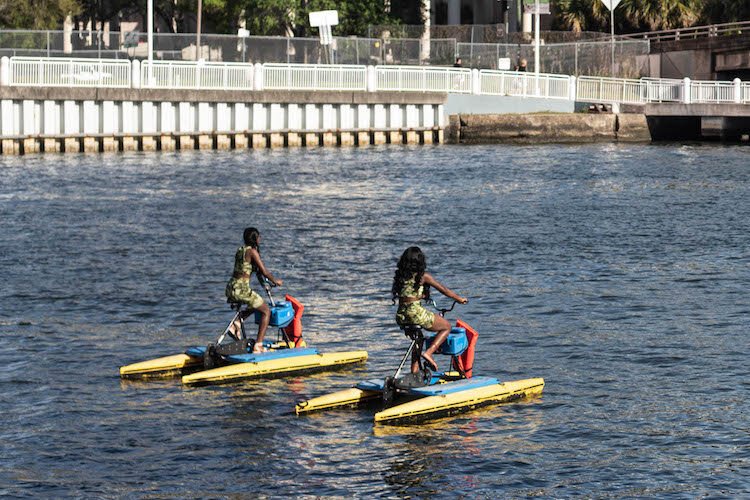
265 281
441 310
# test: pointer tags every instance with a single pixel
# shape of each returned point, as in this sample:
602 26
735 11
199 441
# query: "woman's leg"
265 312
443 328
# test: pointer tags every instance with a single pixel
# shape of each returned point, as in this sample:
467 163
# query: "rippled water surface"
620 274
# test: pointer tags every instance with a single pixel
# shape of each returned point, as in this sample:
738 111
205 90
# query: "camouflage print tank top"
240 265
408 290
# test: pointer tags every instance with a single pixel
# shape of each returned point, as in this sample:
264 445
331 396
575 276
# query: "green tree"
290 17
725 11
653 15
581 15
36 14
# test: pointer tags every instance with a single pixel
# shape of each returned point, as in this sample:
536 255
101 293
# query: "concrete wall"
541 128
80 119
465 104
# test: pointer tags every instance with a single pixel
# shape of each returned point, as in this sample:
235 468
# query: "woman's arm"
427 279
258 263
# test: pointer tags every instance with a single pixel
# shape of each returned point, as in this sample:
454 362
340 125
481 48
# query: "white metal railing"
57 72
314 77
191 75
514 83
424 79
663 90
627 91
711 92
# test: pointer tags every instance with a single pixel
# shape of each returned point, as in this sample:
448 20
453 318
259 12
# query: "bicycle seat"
236 306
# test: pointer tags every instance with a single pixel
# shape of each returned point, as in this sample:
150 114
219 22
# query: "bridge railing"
522 84
712 92
424 79
57 72
663 90
708 31
314 77
628 91
185 75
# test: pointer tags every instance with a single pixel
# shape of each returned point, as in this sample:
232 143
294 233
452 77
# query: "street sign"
323 20
611 4
530 6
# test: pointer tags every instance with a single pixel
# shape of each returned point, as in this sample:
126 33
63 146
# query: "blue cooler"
454 345
281 314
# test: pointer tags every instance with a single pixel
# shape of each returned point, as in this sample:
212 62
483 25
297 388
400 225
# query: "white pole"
612 26
198 52
150 23
536 47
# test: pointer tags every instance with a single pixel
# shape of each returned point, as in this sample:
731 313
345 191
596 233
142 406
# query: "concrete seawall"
547 127
39 119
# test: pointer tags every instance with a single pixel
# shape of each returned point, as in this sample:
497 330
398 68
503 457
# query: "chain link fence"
584 56
581 58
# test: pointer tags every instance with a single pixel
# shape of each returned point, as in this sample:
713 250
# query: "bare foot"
428 357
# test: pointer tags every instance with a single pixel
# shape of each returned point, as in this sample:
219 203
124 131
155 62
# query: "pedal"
236 347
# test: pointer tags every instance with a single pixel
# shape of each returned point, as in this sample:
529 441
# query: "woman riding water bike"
246 260
410 286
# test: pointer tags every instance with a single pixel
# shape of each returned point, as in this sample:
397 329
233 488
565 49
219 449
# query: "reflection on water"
617 273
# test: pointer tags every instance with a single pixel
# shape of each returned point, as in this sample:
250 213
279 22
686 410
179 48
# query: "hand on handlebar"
462 300
279 282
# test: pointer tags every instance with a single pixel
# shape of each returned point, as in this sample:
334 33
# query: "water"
617 273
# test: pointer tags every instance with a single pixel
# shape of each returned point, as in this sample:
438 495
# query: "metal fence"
424 79
711 92
190 75
314 77
582 58
60 72
662 89
589 88
709 31
69 72
512 83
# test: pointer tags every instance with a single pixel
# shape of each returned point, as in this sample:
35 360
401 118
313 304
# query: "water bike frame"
425 395
234 360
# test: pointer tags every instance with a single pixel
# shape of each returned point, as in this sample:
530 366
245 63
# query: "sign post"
536 7
323 20
242 34
612 5
150 39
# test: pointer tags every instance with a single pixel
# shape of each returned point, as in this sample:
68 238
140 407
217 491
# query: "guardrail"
663 90
51 72
424 79
41 72
610 90
182 75
314 77
712 92
521 84
708 31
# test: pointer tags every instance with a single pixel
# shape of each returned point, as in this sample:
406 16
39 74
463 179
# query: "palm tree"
582 15
661 14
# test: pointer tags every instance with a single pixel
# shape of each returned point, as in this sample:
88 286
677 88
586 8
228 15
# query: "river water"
619 273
